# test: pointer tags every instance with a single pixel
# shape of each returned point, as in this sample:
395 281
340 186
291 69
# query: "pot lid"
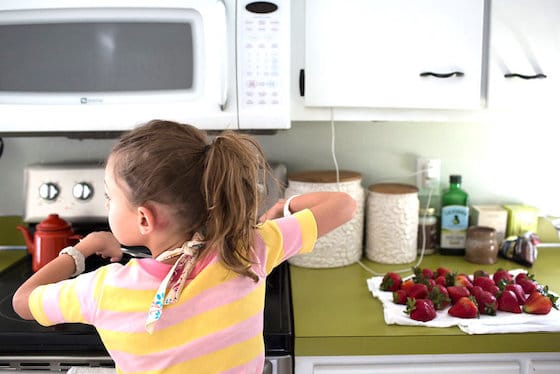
53 223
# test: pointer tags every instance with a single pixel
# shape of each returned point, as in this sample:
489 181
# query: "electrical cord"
1 146
428 201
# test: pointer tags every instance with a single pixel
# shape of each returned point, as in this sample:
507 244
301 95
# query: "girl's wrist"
78 257
287 211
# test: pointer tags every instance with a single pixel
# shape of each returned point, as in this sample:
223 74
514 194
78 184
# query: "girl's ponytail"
234 163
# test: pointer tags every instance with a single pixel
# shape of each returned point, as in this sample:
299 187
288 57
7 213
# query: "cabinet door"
387 54
524 63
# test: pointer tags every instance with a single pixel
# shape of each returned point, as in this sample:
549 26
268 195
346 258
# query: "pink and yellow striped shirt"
215 327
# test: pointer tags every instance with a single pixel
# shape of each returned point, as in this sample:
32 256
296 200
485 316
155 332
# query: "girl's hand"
276 211
101 243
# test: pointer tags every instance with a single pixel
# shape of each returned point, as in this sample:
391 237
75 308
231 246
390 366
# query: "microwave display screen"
96 57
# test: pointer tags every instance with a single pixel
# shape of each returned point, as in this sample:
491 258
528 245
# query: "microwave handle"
223 60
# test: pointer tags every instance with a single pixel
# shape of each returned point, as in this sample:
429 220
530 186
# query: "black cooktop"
18 336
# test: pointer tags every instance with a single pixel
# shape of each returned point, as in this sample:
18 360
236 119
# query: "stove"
26 345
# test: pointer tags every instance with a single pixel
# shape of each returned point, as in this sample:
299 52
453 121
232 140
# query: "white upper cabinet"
524 63
424 54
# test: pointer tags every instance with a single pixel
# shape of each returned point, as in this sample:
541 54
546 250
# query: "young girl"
197 305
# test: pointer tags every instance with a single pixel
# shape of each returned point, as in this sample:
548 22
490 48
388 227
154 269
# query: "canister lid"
393 188
324 176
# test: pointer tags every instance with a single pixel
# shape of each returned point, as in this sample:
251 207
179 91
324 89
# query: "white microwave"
108 65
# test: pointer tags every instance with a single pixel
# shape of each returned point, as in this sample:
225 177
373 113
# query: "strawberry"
391 282
507 302
518 291
523 276
421 309
439 296
465 307
537 303
441 280
407 285
462 280
418 291
399 297
442 271
502 276
487 303
422 275
457 292
487 284
528 285
527 282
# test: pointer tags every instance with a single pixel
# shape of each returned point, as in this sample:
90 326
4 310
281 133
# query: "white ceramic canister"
392 223
344 245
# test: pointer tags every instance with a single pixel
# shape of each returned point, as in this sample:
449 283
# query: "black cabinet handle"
438 75
523 76
302 82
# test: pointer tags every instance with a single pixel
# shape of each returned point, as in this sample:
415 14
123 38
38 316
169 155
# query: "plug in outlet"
428 173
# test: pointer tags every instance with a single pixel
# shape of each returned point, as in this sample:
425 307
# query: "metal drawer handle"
523 76
439 75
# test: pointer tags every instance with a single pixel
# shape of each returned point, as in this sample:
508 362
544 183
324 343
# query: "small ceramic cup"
481 246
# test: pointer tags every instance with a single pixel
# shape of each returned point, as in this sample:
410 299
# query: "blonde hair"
212 187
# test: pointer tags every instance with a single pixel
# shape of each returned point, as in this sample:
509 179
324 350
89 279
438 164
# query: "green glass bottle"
454 218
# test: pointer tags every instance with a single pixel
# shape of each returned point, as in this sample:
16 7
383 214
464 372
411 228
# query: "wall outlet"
428 174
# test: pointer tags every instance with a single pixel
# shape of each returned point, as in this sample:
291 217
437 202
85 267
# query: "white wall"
501 162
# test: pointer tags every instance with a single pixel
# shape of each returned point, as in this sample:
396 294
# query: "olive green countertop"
336 315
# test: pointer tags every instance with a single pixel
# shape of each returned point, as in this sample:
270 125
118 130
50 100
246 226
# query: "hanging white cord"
333 149
428 202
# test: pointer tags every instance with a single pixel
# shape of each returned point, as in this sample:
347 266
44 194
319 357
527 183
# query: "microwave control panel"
263 41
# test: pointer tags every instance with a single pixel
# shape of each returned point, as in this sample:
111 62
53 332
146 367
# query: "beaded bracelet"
287 206
79 259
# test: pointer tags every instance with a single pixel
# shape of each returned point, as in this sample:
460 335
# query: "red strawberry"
407 285
518 291
441 280
442 271
399 297
537 303
465 307
422 275
487 284
523 276
391 282
483 282
502 276
487 303
462 280
457 292
421 309
507 302
527 282
439 296
418 291
528 286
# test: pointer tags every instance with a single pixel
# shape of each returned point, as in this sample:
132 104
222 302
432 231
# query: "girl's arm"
330 209
62 268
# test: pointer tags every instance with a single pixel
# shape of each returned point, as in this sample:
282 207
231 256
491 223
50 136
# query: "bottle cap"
455 178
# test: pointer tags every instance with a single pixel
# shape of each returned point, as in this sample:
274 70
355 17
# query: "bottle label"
454 224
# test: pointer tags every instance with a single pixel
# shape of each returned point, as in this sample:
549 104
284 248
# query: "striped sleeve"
68 301
288 236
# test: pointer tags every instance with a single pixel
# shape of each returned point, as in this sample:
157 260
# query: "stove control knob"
48 191
83 191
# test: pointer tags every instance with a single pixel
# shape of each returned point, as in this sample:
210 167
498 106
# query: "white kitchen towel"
502 322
